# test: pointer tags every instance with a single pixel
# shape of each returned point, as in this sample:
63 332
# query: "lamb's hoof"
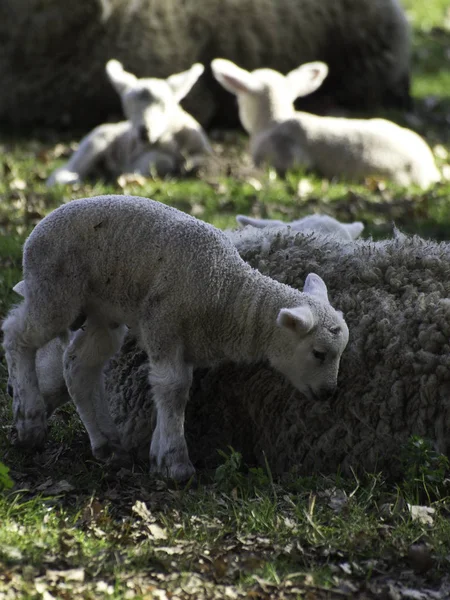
63 177
112 454
31 435
178 472
119 459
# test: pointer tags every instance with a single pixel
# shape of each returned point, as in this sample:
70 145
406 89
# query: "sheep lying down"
111 261
336 147
157 137
394 377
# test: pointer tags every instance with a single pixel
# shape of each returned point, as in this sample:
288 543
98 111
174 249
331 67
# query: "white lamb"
351 148
111 260
319 223
158 136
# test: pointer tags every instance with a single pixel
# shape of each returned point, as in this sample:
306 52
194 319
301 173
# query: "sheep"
108 261
334 146
320 223
158 135
394 378
53 54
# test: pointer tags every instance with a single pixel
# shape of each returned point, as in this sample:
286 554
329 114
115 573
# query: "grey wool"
53 53
394 379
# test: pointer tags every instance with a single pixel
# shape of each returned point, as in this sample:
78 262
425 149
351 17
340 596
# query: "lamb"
52 77
319 223
157 137
108 261
334 146
394 377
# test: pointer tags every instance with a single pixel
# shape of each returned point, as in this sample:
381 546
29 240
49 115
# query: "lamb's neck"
252 316
272 110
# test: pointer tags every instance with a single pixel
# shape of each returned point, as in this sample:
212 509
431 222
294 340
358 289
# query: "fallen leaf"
423 514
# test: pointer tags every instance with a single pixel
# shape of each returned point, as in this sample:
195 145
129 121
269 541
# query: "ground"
72 528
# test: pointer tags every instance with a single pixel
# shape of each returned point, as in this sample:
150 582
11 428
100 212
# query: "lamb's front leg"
84 160
171 381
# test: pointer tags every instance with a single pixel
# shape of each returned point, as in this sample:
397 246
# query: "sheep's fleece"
53 53
394 378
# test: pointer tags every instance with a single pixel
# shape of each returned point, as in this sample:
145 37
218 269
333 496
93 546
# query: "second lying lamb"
157 137
318 223
113 260
348 148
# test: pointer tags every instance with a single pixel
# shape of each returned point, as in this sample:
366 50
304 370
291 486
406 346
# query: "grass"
69 528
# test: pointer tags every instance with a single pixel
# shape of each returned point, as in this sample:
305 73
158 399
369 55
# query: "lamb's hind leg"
84 359
25 330
171 380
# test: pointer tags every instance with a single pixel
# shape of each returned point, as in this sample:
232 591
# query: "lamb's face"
149 106
309 342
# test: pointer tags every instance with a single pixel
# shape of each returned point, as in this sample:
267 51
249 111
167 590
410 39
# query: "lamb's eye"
319 355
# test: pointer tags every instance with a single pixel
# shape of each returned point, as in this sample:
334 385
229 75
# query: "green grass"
238 534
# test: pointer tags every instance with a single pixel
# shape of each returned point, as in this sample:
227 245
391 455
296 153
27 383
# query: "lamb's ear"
233 78
315 286
121 80
306 79
182 83
299 320
19 288
260 223
355 229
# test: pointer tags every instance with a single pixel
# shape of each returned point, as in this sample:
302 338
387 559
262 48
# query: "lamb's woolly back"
352 148
318 223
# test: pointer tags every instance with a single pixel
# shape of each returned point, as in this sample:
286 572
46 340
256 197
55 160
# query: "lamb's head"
150 104
318 223
265 95
309 341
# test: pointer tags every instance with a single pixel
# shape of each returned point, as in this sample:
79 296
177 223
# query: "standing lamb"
111 260
349 148
53 53
319 223
158 136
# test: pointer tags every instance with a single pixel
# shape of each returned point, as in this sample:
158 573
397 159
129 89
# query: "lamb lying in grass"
159 137
348 148
394 378
318 223
113 260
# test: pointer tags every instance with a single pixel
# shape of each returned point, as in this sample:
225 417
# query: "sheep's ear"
306 79
299 320
121 80
315 286
19 288
260 223
182 83
355 229
233 78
